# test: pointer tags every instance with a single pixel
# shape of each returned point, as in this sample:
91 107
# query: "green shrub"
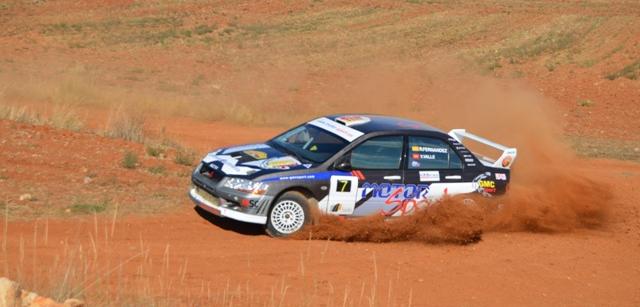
130 160
158 170
154 150
185 157
88 207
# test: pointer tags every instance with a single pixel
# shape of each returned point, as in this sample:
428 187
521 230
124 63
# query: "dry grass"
631 71
21 115
125 124
62 117
605 148
185 157
97 269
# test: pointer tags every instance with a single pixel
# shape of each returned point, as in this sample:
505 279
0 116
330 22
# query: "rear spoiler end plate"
504 161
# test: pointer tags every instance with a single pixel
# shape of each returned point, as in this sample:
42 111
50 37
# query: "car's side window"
431 153
384 152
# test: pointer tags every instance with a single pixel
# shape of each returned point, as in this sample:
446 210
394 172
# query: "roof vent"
352 120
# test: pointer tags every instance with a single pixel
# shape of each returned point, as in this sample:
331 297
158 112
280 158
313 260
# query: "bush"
155 150
88 207
158 170
185 157
126 125
130 160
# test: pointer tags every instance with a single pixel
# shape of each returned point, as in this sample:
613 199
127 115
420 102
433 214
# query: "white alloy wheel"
287 216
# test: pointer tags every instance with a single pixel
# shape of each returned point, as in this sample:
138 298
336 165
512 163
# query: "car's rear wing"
504 161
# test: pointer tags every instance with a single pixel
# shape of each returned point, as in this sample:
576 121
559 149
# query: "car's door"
376 166
435 166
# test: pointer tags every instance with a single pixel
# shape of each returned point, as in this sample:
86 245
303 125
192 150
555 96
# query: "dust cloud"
547 192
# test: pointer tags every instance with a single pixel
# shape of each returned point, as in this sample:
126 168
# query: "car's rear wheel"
288 215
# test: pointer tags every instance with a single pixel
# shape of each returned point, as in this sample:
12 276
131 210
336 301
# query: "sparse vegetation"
130 160
157 170
185 157
631 71
88 207
203 29
126 125
585 102
155 150
62 117
605 148
20 114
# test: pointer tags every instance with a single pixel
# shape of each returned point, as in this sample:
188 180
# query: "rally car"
346 165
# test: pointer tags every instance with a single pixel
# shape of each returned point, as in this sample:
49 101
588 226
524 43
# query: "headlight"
245 186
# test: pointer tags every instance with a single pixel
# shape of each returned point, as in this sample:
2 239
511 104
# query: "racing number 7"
344 186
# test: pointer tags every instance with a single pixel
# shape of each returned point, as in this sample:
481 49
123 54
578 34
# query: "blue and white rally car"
347 165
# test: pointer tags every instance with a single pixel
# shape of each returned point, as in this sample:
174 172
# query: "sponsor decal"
423 157
358 174
336 128
506 161
336 207
384 190
245 147
471 164
314 176
308 165
429 176
297 177
280 163
402 198
256 154
487 184
429 149
501 176
352 120
468 160
415 164
482 185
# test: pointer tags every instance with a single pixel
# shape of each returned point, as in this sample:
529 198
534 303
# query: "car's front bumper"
220 207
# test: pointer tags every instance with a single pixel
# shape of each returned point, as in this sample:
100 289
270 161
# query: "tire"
288 215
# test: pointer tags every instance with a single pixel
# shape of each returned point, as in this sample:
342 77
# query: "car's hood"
252 160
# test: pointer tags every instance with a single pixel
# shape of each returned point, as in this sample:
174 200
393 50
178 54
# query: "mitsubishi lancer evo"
345 165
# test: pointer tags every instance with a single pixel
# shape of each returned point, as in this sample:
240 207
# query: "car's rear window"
430 153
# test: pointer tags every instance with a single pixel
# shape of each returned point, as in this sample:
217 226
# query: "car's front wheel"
288 215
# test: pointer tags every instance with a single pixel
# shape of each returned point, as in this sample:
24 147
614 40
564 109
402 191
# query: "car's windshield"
310 143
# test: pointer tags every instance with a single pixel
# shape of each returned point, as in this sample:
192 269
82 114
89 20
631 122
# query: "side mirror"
343 164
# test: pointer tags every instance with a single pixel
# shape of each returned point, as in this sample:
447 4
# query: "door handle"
395 177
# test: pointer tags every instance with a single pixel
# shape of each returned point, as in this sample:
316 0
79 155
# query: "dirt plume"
448 221
547 192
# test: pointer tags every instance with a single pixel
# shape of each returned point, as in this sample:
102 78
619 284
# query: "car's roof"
368 123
